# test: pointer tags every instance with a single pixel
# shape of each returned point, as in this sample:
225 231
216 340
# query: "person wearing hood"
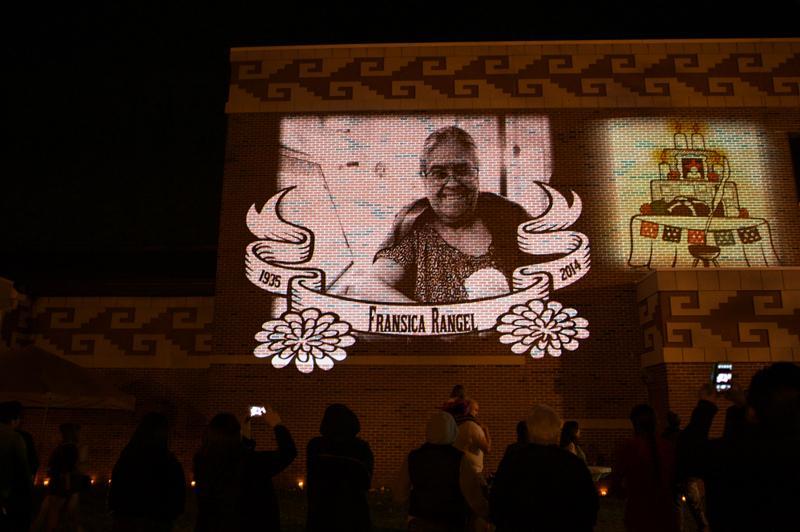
339 468
440 485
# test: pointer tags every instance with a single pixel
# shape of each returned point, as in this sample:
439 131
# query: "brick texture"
593 147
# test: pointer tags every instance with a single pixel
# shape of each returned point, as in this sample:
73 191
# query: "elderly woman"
455 244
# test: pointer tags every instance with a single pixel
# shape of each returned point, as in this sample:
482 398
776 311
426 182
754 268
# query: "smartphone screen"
723 376
256 411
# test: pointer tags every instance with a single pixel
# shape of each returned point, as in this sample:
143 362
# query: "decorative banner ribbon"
272 264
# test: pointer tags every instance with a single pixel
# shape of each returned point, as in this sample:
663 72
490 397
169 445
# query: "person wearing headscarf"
148 488
440 485
339 469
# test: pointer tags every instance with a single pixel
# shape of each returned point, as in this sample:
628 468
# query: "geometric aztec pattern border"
721 319
156 327
762 73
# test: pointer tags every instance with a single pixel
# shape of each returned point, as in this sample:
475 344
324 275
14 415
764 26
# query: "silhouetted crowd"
746 480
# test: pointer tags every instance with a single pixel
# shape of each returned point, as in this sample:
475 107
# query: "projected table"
683 242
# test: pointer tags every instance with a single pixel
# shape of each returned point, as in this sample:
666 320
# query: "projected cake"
694 217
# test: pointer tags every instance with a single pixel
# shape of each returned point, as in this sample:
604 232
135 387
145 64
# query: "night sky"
115 119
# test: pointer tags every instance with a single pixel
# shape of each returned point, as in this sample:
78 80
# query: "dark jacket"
752 479
543 488
339 477
147 484
238 496
434 472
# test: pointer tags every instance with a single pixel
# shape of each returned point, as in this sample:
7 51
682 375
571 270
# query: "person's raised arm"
273 462
693 440
736 414
702 415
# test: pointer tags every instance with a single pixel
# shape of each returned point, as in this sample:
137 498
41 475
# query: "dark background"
115 110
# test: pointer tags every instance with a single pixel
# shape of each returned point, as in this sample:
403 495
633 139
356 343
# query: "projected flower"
540 327
310 338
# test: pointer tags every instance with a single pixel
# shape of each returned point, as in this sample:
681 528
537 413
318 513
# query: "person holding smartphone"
234 481
751 472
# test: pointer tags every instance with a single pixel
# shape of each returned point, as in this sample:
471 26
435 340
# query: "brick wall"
610 108
693 318
603 379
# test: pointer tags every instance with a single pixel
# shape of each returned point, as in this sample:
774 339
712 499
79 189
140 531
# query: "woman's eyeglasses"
459 171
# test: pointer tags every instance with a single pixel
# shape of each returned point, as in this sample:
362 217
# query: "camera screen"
257 411
723 377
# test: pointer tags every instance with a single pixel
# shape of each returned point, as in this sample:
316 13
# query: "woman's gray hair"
544 425
449 133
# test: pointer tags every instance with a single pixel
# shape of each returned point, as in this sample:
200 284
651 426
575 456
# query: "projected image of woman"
455 244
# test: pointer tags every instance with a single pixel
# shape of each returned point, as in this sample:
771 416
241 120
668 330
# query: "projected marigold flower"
310 338
540 327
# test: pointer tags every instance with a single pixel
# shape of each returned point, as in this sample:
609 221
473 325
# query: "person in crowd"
234 481
456 243
456 404
523 438
473 437
570 436
148 488
645 473
439 483
751 473
339 469
16 485
15 409
67 482
689 493
540 487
